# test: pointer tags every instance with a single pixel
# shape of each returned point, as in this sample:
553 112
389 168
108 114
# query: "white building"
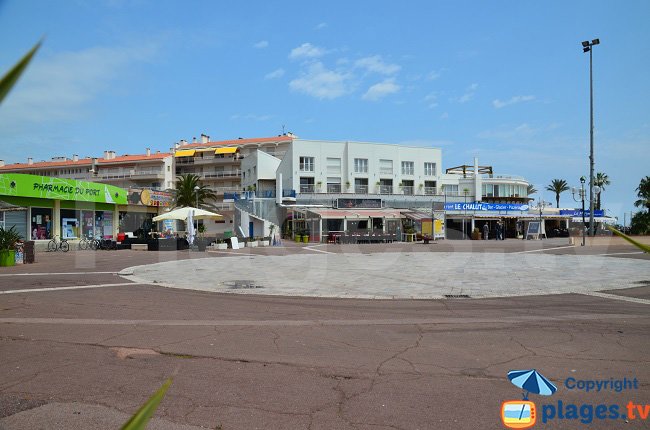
324 173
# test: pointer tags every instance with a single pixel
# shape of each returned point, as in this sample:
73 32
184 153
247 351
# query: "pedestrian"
498 228
486 231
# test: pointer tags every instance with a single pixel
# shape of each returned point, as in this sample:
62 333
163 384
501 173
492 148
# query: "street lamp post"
581 194
196 192
588 47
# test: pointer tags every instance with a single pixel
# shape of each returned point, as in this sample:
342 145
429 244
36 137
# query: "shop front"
136 219
464 219
66 208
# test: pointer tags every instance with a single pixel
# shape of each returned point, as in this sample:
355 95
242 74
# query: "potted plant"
378 183
200 240
8 239
347 185
420 187
221 245
305 236
319 185
476 234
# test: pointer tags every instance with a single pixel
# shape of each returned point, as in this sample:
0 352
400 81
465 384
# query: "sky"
503 81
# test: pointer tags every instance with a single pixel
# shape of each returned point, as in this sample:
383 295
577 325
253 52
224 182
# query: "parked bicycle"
54 245
85 243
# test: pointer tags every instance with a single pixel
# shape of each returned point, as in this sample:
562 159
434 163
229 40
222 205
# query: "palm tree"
531 189
185 195
601 180
643 193
558 186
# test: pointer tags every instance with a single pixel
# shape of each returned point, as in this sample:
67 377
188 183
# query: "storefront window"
87 223
104 224
70 224
137 224
41 223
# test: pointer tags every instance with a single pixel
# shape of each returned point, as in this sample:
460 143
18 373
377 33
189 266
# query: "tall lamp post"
588 47
196 193
581 195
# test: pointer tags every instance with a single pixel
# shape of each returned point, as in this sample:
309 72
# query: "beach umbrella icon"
531 381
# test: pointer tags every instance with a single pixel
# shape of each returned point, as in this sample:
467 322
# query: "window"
334 166
385 167
407 168
307 185
333 185
306 164
360 165
430 169
451 190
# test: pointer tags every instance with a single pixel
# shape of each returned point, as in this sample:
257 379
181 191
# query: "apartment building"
139 180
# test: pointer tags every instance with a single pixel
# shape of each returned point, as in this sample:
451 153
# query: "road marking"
301 323
622 253
309 248
77 287
616 297
57 273
544 249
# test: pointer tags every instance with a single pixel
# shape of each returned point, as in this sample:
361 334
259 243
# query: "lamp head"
587 49
585 44
595 42
583 179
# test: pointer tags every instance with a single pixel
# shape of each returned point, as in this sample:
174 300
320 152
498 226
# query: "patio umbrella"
183 213
190 227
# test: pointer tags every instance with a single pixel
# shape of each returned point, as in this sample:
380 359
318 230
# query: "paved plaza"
86 337
390 275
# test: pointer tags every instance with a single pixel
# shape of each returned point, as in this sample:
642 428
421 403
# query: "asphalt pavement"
83 347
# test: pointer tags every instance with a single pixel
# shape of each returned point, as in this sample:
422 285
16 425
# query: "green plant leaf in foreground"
641 246
11 77
141 418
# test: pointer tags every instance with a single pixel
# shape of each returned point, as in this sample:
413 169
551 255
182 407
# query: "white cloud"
434 74
381 90
306 50
445 115
469 94
376 64
321 82
513 100
261 44
277 73
61 86
520 132
431 100
321 26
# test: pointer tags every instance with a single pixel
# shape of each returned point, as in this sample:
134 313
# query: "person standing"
497 236
486 231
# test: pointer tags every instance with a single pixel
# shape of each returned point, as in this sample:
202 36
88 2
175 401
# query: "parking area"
83 346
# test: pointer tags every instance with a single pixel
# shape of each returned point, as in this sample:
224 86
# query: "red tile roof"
84 162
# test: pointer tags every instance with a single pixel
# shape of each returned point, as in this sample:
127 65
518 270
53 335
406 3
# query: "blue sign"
578 212
479 206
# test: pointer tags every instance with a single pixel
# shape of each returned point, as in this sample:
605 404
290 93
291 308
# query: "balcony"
220 175
361 189
430 191
385 189
407 190
131 174
333 188
307 189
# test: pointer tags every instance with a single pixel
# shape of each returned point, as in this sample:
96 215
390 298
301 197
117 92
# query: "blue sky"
505 81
